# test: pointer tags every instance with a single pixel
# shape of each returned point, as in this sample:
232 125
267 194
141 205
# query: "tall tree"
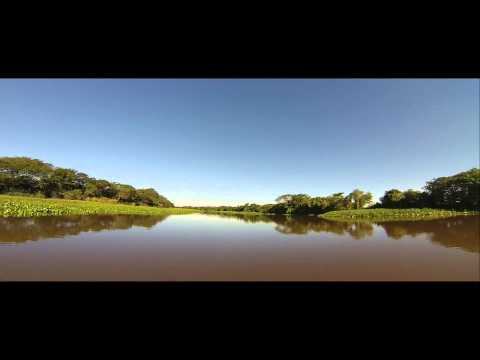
413 199
460 191
359 199
24 166
392 198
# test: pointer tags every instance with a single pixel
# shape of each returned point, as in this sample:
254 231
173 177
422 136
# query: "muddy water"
237 248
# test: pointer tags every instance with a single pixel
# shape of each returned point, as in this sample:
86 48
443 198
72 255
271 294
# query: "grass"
393 214
20 206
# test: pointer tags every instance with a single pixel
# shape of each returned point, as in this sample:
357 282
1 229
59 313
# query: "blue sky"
212 142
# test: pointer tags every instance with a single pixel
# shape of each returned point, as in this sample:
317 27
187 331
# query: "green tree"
24 166
76 194
81 180
392 199
126 193
284 198
65 178
151 198
290 204
23 174
413 199
337 201
5 183
100 188
24 183
359 199
164 202
300 204
49 187
460 191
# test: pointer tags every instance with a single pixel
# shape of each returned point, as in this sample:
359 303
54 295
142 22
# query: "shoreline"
368 215
394 214
23 206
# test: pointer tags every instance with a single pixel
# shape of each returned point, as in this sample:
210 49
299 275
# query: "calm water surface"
231 248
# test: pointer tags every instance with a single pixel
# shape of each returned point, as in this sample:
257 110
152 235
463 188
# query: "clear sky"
213 142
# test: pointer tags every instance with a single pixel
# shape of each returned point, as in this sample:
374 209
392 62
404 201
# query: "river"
201 247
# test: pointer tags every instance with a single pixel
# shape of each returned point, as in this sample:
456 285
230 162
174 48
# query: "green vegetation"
22 176
393 214
444 196
302 204
459 231
458 192
21 206
32 177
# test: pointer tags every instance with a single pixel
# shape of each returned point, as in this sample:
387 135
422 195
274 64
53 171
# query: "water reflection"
459 232
18 230
462 231
302 226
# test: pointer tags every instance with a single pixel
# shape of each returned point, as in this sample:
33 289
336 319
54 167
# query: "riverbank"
393 214
233 212
20 206
365 214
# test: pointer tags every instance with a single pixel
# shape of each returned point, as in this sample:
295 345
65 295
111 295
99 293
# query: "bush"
102 200
73 195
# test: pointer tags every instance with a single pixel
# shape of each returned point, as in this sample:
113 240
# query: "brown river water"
200 247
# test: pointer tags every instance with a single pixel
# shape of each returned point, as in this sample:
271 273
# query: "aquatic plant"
393 214
19 206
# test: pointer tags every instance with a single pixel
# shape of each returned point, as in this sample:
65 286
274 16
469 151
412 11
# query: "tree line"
26 176
299 204
458 192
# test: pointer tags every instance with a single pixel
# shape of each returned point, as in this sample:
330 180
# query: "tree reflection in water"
17 230
301 225
460 232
